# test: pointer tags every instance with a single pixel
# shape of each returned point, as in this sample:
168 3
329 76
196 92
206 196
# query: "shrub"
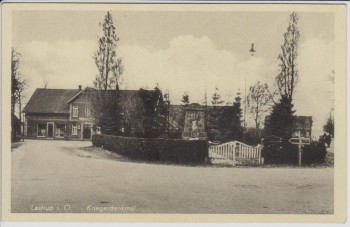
280 153
252 136
287 153
315 153
155 149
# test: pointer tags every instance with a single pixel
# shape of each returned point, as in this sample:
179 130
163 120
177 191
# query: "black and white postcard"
174 112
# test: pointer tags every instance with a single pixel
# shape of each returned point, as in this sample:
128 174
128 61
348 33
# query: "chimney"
79 87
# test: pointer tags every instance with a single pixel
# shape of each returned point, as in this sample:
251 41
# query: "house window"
87 111
42 130
74 130
60 130
75 111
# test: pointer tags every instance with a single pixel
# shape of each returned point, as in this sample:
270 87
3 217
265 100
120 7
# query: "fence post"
234 154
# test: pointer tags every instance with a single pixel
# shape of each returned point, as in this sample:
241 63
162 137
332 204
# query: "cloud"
314 90
190 65
65 64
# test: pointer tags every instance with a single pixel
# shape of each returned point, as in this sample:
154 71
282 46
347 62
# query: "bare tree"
287 78
45 81
258 102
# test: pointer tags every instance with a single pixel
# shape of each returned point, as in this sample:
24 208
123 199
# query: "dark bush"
315 153
252 136
280 152
155 149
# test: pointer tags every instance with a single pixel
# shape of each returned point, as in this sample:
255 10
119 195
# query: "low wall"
155 149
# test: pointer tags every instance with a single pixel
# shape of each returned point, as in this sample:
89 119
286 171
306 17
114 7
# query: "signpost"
300 141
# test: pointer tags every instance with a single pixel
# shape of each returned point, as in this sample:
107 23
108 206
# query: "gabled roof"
50 100
57 100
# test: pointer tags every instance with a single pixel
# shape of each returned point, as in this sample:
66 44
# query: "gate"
238 152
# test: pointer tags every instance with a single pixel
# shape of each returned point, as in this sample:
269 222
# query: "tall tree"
258 101
15 81
282 118
18 84
185 99
106 103
108 64
288 75
216 98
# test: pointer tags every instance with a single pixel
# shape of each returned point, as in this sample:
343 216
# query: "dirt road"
58 176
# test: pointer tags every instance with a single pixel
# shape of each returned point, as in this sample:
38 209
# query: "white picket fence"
236 151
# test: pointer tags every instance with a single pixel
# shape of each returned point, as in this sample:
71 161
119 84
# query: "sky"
180 51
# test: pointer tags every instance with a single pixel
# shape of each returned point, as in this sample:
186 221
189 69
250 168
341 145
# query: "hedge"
155 149
287 153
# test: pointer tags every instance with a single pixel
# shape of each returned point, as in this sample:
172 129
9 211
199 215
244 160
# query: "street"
71 176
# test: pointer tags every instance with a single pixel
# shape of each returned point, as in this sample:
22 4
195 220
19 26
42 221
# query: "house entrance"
87 132
50 130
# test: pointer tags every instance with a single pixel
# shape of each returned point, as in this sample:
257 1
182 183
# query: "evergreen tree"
185 99
216 98
280 122
329 126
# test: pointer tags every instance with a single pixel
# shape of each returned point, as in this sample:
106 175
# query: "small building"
303 126
67 113
59 114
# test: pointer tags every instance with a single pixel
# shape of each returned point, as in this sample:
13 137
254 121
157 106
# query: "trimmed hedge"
155 149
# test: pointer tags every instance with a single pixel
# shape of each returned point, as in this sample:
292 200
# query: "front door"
50 130
87 132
